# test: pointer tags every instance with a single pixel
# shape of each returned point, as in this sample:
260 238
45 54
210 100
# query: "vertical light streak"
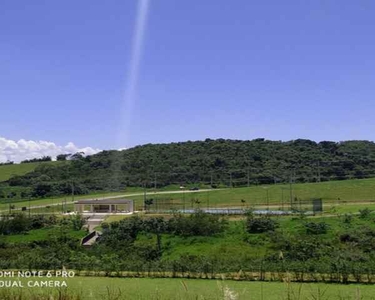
133 72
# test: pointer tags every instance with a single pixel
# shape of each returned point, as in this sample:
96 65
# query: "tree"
77 156
62 157
77 222
156 226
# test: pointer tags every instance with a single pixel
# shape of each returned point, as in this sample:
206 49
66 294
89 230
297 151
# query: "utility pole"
183 197
64 205
29 206
72 191
155 181
319 179
248 177
208 200
212 181
144 196
291 190
230 180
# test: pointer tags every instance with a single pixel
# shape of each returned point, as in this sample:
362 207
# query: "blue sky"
232 69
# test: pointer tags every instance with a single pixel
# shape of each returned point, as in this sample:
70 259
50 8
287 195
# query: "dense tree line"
42 159
217 162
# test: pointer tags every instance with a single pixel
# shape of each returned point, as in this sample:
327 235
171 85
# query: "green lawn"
98 288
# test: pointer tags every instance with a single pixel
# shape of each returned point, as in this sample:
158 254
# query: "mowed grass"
332 192
9 171
98 288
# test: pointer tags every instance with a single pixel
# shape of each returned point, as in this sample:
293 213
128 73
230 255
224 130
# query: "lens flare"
133 72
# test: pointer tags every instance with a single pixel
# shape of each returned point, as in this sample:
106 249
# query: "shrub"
17 223
199 223
77 222
39 221
347 219
316 228
260 225
364 213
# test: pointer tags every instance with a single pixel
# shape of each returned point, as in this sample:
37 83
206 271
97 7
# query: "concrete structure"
105 206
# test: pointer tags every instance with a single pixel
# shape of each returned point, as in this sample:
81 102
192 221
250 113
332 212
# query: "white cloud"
23 149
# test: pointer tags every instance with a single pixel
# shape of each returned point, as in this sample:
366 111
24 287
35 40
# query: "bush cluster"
260 224
316 228
19 223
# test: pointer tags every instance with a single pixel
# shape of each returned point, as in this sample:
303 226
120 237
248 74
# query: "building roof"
104 201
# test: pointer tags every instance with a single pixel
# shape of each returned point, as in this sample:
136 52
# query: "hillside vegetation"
210 162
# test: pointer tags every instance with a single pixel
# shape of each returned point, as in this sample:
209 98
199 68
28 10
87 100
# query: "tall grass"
223 292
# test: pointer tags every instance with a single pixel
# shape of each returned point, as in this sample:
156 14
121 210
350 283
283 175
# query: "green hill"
8 171
221 163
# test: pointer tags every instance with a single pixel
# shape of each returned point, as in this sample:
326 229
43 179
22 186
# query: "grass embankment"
234 242
177 289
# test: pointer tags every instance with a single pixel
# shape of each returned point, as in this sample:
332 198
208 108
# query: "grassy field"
332 192
340 194
96 288
8 171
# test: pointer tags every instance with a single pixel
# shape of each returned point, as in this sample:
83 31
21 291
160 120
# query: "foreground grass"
85 288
